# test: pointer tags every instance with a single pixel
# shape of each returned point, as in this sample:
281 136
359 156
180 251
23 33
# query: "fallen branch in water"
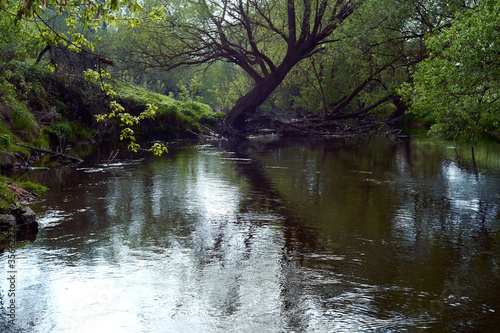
53 153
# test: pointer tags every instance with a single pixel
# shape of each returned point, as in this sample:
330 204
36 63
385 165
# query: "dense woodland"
242 67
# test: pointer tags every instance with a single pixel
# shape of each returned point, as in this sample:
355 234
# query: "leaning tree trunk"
246 105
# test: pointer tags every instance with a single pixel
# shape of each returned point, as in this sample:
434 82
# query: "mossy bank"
53 111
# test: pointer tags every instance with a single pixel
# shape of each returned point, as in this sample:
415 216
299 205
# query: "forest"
245 67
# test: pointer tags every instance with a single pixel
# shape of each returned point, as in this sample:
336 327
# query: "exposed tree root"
316 126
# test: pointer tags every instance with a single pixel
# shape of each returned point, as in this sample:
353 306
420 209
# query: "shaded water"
360 235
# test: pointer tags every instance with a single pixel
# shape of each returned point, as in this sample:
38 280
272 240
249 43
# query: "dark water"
359 235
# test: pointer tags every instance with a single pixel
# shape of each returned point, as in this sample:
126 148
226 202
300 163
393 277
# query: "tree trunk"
245 106
40 55
400 105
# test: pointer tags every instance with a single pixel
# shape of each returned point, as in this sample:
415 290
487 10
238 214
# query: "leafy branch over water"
124 119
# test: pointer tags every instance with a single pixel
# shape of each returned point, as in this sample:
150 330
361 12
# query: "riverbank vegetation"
52 112
47 106
43 112
458 85
295 68
12 192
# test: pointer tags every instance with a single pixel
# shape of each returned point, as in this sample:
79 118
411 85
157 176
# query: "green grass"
68 131
42 110
172 115
7 198
17 123
33 187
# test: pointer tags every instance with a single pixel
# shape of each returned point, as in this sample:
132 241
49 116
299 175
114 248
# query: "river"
341 235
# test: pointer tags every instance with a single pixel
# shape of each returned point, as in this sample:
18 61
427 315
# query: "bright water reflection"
310 236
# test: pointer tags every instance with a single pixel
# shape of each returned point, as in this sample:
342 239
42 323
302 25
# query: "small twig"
112 156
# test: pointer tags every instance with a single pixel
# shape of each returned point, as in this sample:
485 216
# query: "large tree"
265 38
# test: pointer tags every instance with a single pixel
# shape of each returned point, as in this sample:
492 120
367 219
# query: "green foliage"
37 188
76 26
171 115
62 129
188 94
229 90
129 65
65 131
7 198
39 19
16 114
377 45
78 15
459 84
211 118
117 113
15 43
21 119
373 49
5 140
35 88
33 106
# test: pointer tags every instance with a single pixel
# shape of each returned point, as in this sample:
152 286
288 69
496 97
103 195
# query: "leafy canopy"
459 83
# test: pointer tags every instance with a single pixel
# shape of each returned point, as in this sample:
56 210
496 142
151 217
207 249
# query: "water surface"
341 235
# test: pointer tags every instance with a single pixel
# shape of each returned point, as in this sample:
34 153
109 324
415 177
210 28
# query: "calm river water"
341 235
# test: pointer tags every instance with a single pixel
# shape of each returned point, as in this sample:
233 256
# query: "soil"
22 194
